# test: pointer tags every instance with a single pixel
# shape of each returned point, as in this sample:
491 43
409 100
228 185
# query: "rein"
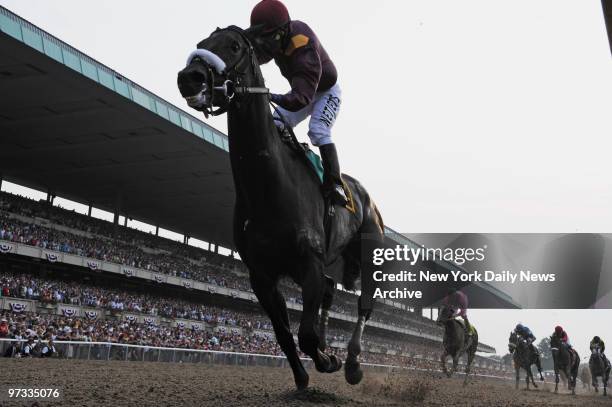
204 100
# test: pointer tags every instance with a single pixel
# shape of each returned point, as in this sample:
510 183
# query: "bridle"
231 86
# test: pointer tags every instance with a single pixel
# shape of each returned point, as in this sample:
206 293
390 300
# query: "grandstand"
97 138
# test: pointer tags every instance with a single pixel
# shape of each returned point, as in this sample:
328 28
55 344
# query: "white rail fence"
108 351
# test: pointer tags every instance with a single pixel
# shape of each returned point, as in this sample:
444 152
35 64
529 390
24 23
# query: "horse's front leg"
517 370
313 287
455 364
556 381
443 358
328 298
274 305
527 376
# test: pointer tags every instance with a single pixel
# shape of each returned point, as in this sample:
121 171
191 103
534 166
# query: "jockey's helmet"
271 14
558 329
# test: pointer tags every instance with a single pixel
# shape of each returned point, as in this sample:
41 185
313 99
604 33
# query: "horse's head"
222 66
445 313
512 341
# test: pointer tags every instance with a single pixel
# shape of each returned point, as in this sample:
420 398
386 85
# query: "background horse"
523 357
456 342
281 226
598 367
564 362
585 377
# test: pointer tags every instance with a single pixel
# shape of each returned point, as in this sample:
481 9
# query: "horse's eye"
235 47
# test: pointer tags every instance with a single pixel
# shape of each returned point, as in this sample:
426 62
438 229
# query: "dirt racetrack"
94 383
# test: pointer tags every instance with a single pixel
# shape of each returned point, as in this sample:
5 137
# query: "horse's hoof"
301 383
352 372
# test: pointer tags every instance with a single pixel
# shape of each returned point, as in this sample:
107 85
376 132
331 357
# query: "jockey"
303 61
562 335
598 343
525 333
458 301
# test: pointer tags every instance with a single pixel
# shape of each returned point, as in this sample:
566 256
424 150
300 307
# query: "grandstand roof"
75 128
78 129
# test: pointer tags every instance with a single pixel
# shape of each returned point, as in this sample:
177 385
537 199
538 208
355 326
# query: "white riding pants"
323 112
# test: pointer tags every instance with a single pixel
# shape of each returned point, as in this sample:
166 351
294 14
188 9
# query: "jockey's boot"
332 181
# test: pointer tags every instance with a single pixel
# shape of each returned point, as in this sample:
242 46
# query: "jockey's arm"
304 81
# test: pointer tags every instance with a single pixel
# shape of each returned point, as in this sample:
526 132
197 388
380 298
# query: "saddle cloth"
461 321
316 164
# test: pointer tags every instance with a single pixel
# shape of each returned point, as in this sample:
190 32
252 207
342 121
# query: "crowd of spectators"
111 327
99 239
54 291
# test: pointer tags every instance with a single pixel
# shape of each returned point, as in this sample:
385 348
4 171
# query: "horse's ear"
254 31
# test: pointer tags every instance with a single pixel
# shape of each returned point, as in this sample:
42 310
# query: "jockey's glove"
275 98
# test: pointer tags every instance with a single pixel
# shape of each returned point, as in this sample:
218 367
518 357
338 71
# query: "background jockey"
302 60
525 333
562 335
458 301
598 343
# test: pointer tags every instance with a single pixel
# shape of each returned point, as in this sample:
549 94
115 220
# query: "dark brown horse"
523 356
456 342
565 361
281 221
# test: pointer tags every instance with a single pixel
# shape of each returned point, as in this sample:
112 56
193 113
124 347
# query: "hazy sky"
458 116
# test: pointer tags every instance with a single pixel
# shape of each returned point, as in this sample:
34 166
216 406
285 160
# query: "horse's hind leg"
532 380
538 364
352 370
353 268
274 305
469 365
328 297
313 288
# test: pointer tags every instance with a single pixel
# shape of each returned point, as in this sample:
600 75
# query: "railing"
107 351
